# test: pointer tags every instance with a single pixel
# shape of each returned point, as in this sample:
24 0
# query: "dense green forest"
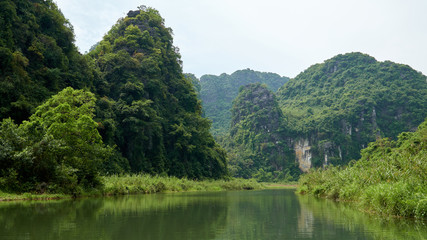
218 92
341 105
148 108
259 140
137 112
37 57
390 178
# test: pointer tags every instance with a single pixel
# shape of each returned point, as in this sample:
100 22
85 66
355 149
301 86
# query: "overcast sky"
280 36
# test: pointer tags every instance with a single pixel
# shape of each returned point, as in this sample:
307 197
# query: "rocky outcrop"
349 101
303 154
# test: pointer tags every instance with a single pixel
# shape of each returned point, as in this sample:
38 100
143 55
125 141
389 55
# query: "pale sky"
280 36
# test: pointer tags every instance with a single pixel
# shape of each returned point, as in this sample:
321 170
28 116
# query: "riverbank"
390 178
143 184
146 184
290 185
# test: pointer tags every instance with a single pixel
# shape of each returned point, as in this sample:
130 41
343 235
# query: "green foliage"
259 140
147 113
351 100
58 149
389 179
38 57
218 92
143 183
149 109
195 81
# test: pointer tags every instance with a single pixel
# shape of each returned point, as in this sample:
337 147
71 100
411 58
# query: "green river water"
266 214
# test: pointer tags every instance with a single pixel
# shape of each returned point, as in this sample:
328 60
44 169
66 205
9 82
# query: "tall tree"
59 145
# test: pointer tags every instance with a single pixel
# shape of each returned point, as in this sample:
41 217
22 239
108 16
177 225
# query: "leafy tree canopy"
59 147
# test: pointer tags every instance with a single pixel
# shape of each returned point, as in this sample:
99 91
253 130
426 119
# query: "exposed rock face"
303 154
133 13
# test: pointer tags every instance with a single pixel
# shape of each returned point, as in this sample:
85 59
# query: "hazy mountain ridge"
217 93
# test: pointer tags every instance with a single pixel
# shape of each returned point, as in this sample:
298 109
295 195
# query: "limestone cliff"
259 135
303 154
334 109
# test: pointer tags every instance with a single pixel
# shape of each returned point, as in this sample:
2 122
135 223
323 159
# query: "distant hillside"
337 107
217 93
259 140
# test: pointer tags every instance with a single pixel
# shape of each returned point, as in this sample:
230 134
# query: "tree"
59 146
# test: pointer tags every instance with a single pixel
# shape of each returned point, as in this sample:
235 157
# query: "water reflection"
305 222
345 216
268 214
132 217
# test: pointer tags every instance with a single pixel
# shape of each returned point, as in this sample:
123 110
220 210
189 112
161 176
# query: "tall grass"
30 196
144 183
390 178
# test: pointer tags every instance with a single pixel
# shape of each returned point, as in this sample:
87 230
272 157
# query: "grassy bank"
133 184
390 178
30 196
287 185
144 184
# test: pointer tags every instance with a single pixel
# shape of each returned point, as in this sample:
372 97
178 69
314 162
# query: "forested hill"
259 139
149 110
38 57
217 93
137 112
339 106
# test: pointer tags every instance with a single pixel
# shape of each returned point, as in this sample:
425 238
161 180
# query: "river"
265 214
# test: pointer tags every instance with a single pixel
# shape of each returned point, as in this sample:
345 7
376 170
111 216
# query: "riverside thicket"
389 179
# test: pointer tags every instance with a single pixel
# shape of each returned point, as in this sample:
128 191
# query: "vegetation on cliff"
350 100
218 92
195 81
37 56
148 108
259 142
390 178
